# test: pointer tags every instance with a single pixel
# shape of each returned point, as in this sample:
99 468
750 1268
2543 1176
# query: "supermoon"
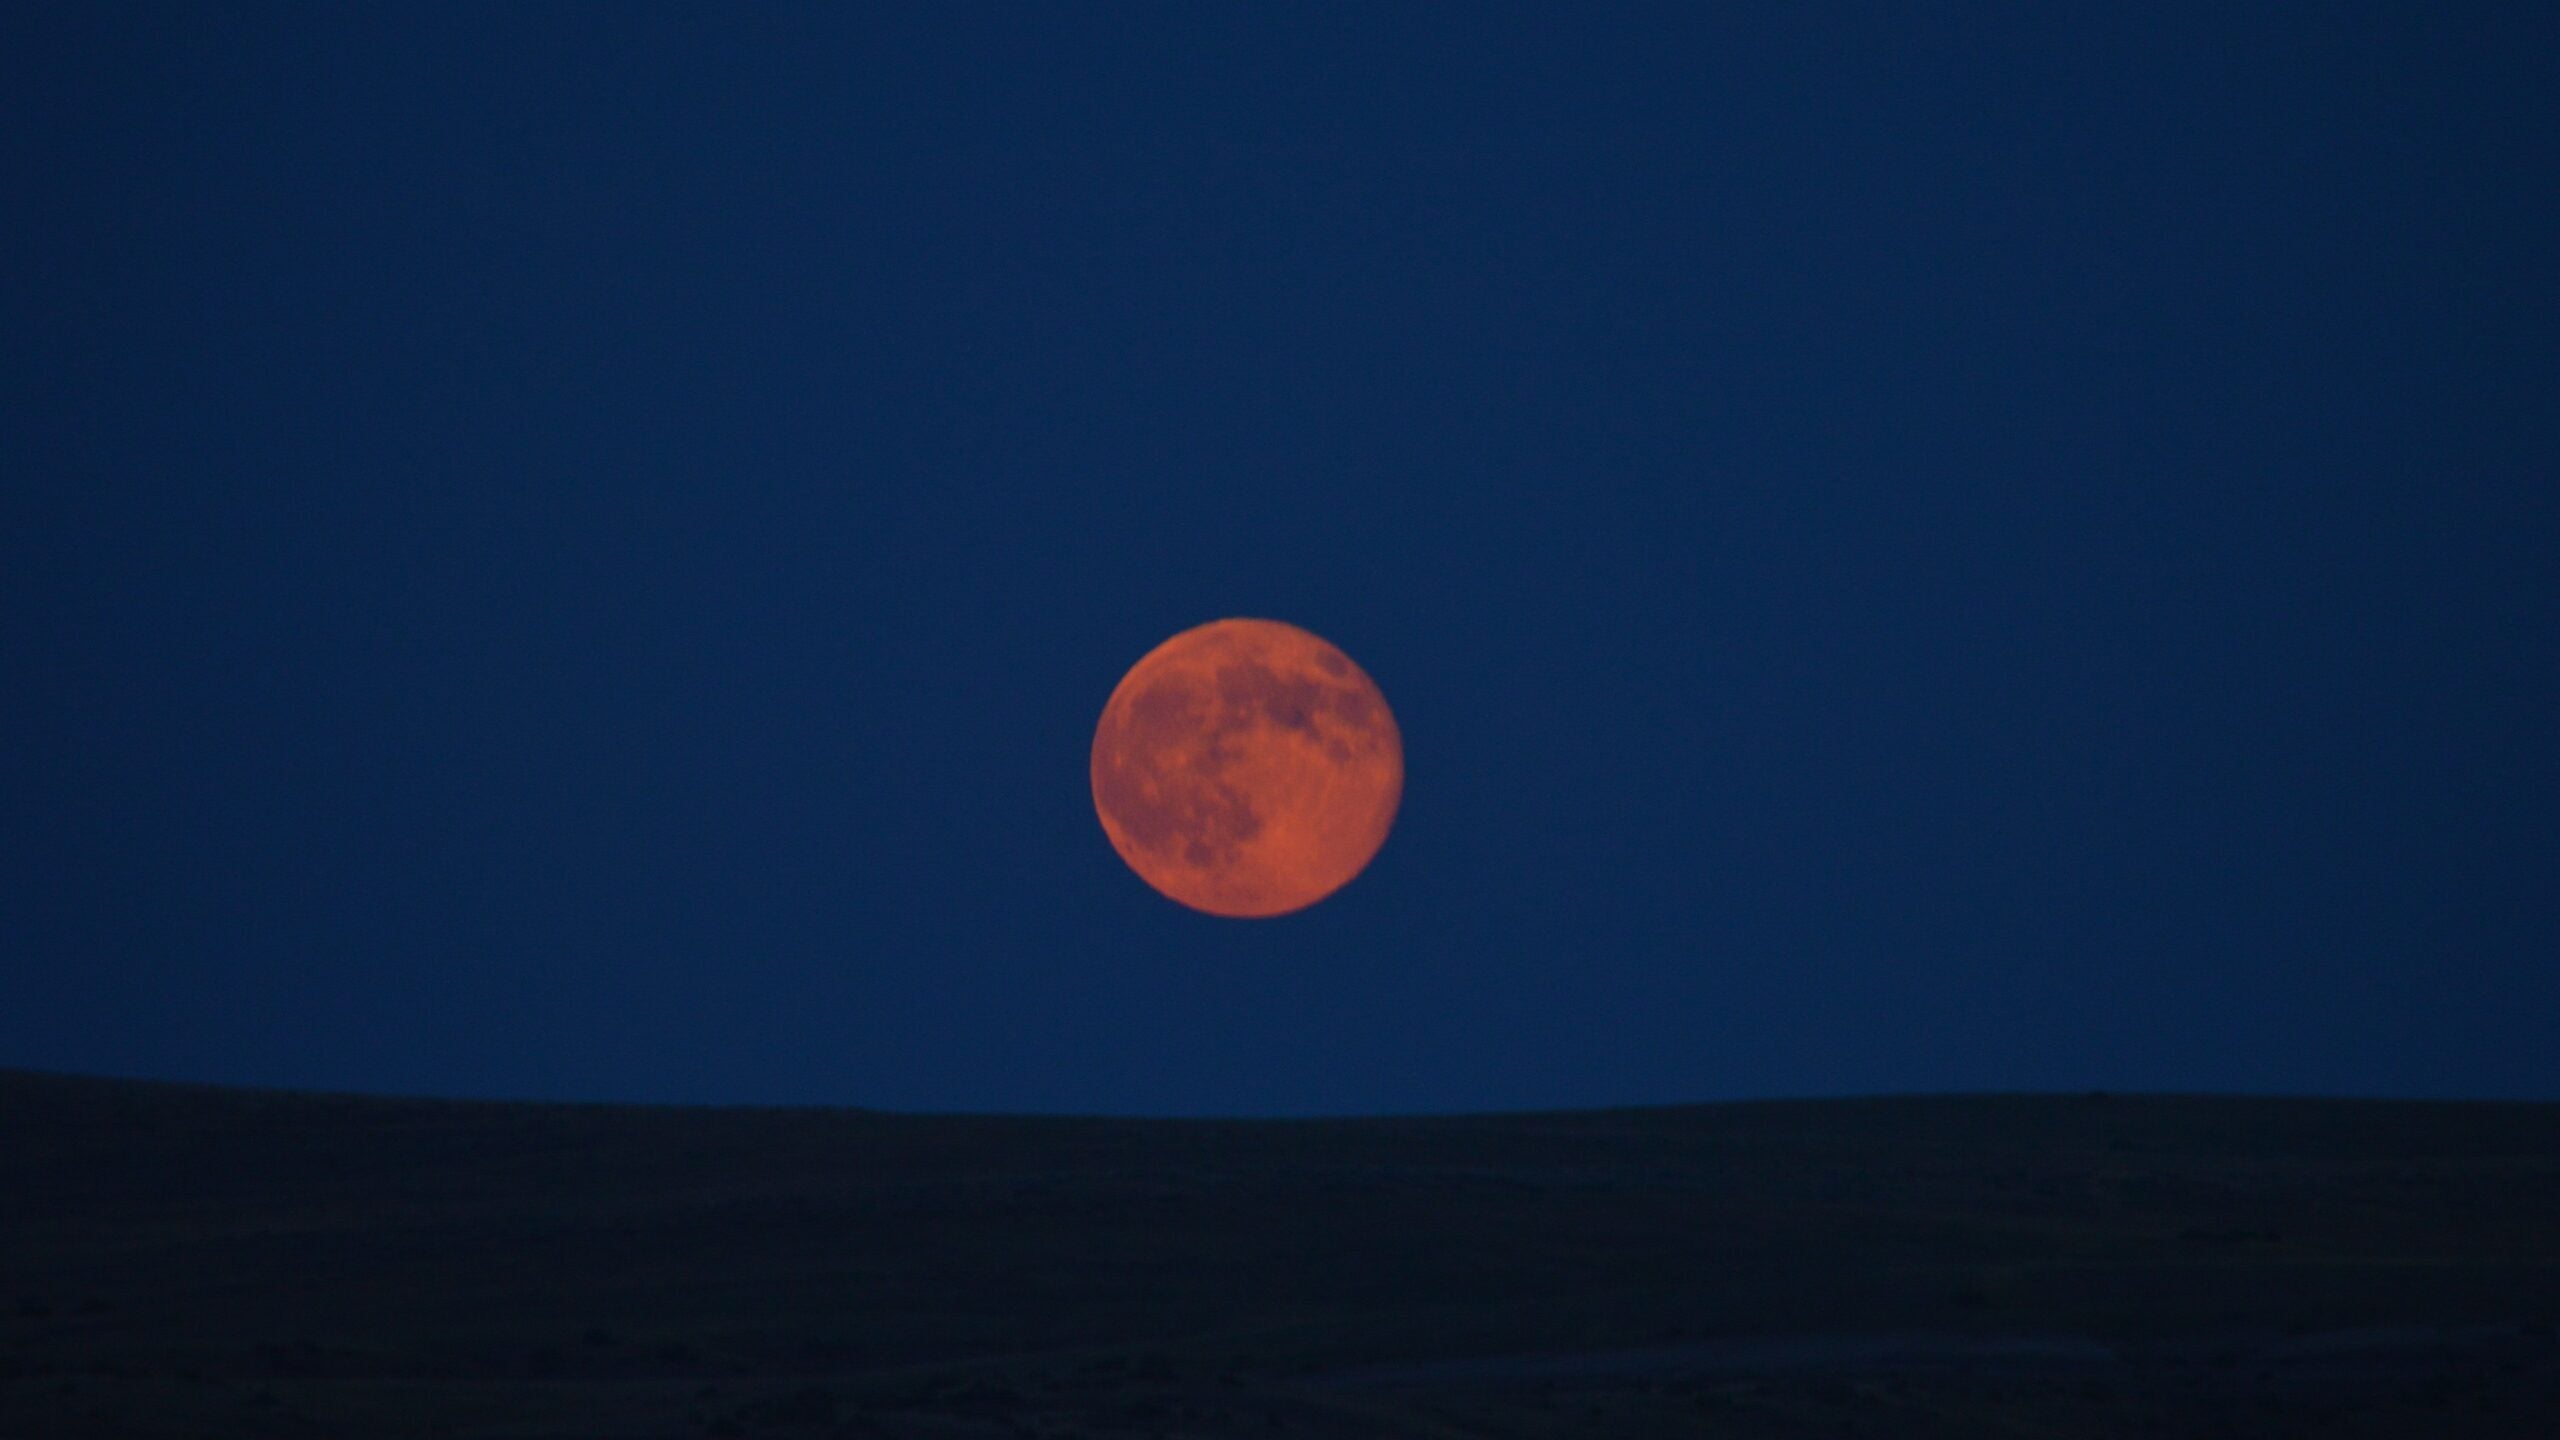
1247 768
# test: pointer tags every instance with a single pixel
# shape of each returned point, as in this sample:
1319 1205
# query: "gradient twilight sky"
575 551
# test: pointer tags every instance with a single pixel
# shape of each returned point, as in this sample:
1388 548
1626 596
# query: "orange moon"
1247 768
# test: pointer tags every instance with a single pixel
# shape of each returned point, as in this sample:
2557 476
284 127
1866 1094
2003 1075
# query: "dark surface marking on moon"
1157 806
1170 707
1359 711
1250 694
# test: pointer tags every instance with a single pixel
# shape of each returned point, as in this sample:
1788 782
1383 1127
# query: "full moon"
1247 768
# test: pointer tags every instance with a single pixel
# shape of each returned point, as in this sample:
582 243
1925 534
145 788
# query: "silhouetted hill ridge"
401 1265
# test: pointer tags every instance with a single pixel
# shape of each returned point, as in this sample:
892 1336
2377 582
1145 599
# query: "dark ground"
178 1260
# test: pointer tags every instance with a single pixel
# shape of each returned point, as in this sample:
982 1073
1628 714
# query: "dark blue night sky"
575 551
